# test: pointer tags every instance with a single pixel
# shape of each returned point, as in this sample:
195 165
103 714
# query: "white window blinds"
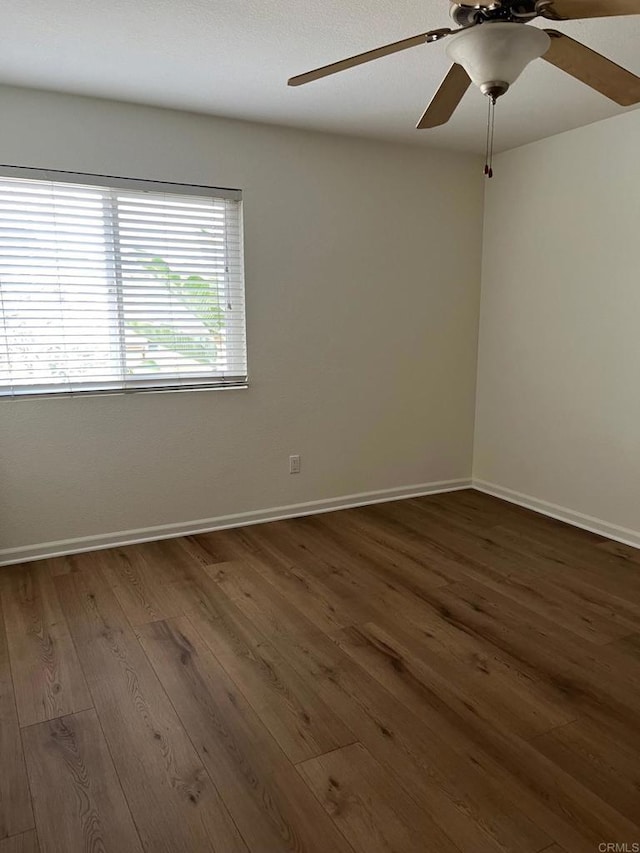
117 285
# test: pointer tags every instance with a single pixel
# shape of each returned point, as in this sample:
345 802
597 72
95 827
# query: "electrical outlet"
294 464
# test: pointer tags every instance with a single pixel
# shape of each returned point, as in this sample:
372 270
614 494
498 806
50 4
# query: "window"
118 285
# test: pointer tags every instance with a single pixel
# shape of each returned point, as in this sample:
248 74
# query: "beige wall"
362 270
558 414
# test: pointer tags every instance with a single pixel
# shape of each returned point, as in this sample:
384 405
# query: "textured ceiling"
233 57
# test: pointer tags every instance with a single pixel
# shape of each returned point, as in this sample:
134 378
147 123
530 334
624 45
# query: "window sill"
122 392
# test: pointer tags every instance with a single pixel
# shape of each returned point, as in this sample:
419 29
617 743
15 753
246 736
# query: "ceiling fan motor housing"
494 54
468 14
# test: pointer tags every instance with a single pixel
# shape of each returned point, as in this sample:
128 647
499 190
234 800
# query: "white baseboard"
577 519
61 548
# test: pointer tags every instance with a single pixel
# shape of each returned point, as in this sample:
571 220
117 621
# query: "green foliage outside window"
201 297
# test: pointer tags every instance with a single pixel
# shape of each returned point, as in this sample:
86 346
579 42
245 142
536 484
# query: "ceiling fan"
493 45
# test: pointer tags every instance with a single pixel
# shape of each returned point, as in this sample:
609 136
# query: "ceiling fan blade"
572 9
446 99
368 56
592 68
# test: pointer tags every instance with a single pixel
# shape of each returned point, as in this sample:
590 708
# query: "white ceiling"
233 57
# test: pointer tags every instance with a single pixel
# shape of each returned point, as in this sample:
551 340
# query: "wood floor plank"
56 565
546 539
47 677
609 765
486 511
577 589
373 813
629 646
26 842
300 721
494 693
350 541
69 564
468 808
259 607
139 587
529 639
527 770
250 588
389 556
596 681
625 552
279 542
499 562
272 807
484 659
510 682
417 682
173 801
479 509
208 548
307 593
78 801
16 815
509 693
175 560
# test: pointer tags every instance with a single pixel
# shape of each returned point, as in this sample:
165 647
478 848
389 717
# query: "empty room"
320 426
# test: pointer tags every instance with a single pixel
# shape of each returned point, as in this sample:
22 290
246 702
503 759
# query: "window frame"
137 385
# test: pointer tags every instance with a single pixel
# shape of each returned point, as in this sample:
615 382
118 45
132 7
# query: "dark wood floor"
444 674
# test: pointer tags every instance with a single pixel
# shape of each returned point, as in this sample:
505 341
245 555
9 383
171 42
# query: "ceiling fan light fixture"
494 55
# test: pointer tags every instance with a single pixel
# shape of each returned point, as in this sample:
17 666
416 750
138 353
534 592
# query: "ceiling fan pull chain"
486 148
493 130
491 120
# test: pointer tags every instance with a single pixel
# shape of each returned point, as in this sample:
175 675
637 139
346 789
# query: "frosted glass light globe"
494 55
